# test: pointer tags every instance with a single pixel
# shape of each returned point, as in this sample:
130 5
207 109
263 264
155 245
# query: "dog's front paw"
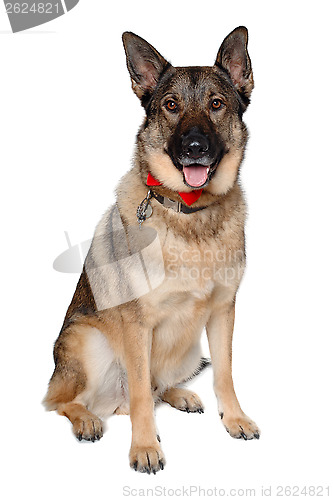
147 458
240 426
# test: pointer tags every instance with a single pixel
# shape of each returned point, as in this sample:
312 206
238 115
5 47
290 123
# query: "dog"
166 260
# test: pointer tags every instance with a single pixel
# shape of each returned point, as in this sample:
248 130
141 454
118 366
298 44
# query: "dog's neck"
188 198
206 198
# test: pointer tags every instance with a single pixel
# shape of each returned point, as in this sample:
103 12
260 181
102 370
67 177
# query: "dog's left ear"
144 63
233 58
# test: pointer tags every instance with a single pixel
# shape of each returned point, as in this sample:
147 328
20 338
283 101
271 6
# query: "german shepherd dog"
122 355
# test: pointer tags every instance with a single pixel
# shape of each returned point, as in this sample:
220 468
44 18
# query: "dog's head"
193 135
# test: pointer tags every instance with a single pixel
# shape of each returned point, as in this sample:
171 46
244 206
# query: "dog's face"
193 136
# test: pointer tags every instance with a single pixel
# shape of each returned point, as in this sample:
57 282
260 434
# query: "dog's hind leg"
71 390
184 399
86 425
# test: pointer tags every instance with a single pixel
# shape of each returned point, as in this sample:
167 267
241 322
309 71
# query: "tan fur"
85 424
176 312
125 357
183 399
162 169
227 170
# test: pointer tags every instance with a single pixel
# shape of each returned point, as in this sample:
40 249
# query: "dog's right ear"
144 63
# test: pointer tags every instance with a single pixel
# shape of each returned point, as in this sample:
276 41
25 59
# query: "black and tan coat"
121 356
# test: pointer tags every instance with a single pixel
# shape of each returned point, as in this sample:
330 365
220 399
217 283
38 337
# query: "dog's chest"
195 271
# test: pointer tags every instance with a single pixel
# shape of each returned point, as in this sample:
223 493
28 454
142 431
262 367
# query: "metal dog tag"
144 210
149 211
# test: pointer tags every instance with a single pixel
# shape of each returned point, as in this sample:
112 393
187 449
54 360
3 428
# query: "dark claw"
158 438
161 464
257 435
79 436
244 436
188 410
148 463
221 415
146 469
135 466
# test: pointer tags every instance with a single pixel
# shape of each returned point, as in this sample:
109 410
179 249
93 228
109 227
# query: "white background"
67 128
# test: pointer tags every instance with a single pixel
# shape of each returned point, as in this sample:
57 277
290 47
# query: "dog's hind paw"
183 399
89 428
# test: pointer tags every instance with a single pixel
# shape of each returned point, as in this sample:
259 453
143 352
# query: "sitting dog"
166 260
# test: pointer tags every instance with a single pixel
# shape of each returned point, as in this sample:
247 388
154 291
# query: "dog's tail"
204 362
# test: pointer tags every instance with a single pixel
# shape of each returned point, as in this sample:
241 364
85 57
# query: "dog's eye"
171 105
217 104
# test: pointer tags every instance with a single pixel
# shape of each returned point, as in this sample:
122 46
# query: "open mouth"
196 175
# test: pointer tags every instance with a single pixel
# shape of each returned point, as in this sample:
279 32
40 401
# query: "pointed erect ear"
144 63
234 59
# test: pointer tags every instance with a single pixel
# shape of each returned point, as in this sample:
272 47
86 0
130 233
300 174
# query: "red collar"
189 198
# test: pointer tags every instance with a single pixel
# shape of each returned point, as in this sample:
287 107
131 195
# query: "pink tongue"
195 176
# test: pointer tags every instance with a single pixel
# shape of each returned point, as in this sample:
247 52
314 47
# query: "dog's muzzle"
196 157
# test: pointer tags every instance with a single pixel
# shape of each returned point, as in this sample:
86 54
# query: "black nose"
195 145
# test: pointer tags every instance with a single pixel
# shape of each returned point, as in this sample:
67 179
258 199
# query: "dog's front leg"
145 454
219 332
